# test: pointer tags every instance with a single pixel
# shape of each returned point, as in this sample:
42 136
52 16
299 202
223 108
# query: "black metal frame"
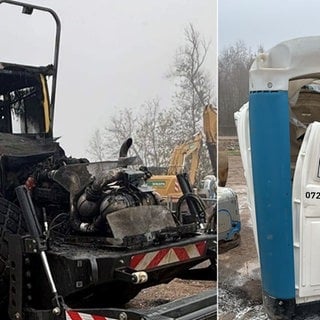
22 248
28 8
27 253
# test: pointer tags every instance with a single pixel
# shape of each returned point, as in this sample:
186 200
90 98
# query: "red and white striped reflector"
74 315
166 256
177 187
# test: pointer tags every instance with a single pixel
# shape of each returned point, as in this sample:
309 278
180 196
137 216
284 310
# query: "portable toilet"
279 139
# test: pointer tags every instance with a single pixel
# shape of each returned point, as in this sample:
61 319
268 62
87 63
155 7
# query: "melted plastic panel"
75 176
21 146
139 220
306 217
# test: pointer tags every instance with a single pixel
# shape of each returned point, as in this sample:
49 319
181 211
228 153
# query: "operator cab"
25 123
24 100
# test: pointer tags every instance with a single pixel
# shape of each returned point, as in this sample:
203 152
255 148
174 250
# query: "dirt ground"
239 272
174 290
239 282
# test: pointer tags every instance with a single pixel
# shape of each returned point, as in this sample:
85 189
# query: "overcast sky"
266 23
113 54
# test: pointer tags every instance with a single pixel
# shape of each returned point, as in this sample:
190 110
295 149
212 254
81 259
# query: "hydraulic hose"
196 204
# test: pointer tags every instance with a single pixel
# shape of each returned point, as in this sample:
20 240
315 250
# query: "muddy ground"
164 293
239 272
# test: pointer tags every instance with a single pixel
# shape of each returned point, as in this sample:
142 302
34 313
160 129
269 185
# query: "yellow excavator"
178 158
167 185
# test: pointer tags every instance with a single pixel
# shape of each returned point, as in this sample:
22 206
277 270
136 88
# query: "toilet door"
306 217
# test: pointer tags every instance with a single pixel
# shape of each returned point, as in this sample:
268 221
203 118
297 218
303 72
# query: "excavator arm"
210 131
177 161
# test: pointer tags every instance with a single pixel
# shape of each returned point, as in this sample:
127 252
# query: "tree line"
156 130
233 83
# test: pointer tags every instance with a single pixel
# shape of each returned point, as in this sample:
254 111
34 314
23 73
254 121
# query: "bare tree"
194 86
96 147
194 90
147 140
234 64
167 137
123 124
106 144
148 126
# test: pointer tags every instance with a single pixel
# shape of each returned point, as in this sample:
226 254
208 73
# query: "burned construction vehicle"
80 238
